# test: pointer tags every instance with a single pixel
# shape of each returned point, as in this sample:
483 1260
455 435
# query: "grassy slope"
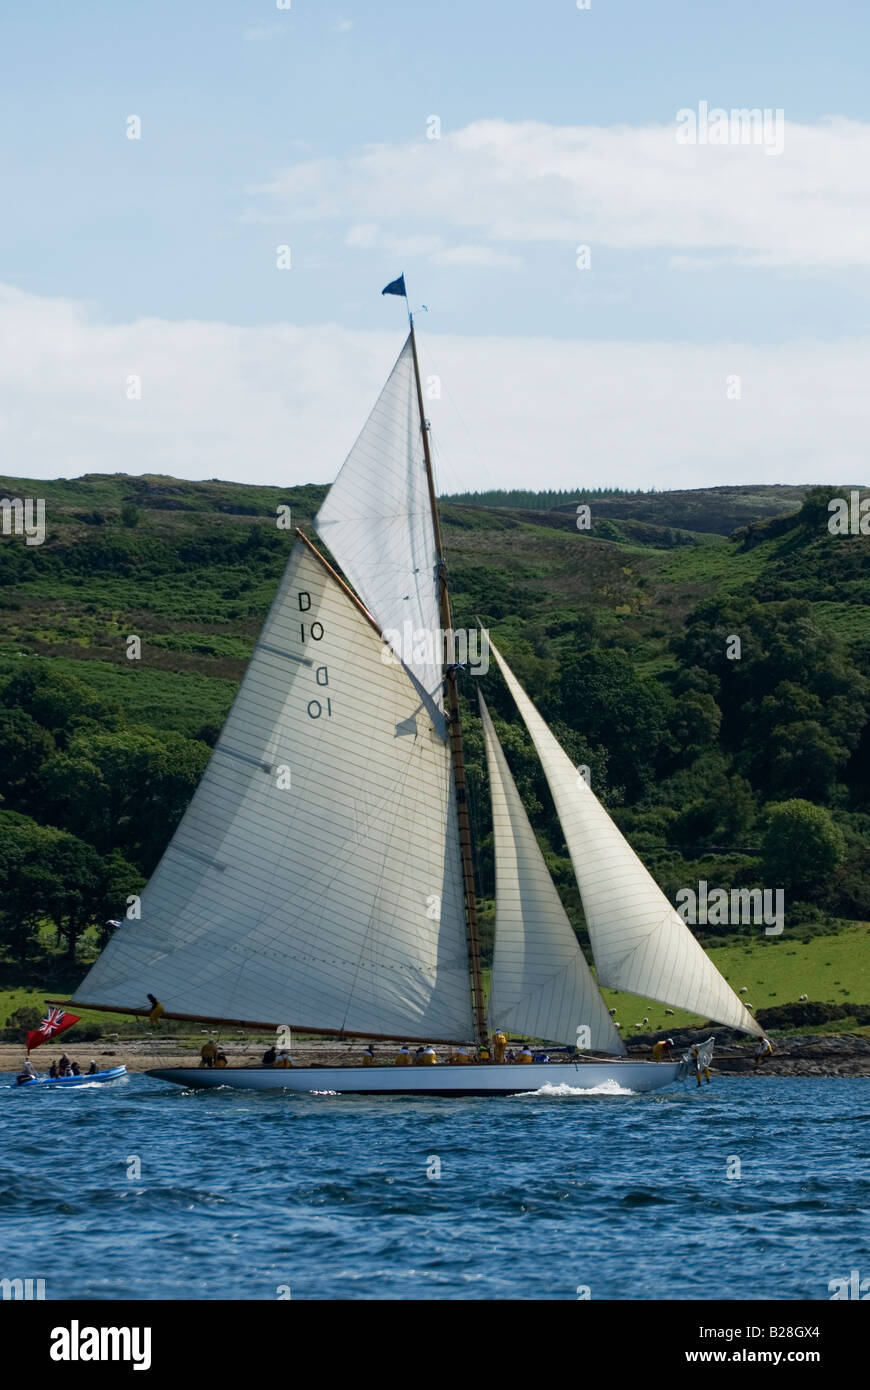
516 569
775 970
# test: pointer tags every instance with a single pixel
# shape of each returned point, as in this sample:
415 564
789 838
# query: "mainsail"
377 520
315 879
639 941
541 984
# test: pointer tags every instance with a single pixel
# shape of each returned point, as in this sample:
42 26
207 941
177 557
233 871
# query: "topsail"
639 941
377 521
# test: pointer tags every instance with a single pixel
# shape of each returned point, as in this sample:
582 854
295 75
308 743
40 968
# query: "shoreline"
822 1056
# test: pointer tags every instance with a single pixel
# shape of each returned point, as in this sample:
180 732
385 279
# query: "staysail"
315 879
639 941
541 984
377 521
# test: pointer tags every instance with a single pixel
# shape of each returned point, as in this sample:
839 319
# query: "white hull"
445 1080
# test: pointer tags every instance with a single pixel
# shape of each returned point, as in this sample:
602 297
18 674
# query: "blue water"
241 1195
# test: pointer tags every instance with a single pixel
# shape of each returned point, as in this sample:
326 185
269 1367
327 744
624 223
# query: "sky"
714 330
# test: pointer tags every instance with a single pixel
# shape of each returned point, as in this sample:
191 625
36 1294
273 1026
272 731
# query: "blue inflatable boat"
99 1076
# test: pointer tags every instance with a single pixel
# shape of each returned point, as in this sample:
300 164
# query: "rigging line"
457 473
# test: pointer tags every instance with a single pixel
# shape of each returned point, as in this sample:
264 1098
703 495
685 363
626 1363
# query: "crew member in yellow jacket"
499 1043
525 1054
662 1049
369 1056
700 1069
428 1059
208 1052
403 1056
156 1011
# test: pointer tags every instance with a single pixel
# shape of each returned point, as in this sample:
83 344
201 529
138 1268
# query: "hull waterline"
472 1080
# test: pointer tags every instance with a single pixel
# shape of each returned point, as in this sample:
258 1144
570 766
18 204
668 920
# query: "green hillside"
745 771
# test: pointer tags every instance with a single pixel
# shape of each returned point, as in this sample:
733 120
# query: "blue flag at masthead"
396 287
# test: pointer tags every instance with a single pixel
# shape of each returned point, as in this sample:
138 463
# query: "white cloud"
262 31
620 186
282 404
476 258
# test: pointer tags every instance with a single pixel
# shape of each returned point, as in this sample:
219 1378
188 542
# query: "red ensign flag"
54 1022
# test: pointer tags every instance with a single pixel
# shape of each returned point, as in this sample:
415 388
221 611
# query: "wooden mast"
454 729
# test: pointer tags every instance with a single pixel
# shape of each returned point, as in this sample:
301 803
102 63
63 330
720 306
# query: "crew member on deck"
53 1071
763 1051
699 1067
63 1066
221 1060
156 1011
662 1049
368 1056
483 1052
403 1056
208 1053
269 1057
428 1059
525 1054
283 1060
499 1043
93 1068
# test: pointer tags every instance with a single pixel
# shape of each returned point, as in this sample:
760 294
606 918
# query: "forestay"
639 941
315 879
377 521
541 984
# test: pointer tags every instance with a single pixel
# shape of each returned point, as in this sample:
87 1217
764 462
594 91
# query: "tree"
600 695
56 702
121 880
25 747
793 702
146 784
20 912
47 873
72 795
804 759
802 847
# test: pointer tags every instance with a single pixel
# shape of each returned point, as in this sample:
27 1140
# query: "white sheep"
802 998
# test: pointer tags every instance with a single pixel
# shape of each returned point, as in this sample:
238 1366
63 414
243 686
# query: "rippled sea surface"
241 1195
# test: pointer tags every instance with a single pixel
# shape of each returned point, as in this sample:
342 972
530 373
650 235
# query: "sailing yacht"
321 880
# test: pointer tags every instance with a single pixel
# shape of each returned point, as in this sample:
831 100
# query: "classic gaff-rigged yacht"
321 878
